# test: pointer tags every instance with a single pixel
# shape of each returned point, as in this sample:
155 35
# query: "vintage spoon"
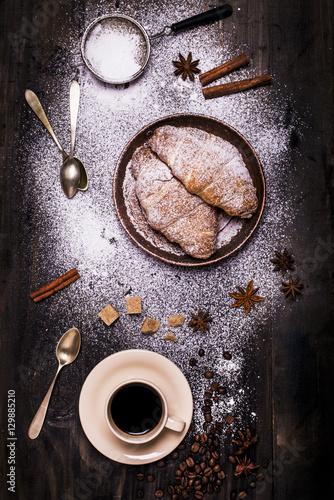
70 171
37 108
67 350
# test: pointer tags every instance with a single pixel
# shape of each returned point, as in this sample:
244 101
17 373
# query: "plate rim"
192 262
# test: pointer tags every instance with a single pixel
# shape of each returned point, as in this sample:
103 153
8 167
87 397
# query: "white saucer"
127 365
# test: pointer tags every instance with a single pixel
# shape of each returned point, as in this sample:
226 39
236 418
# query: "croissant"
208 166
182 217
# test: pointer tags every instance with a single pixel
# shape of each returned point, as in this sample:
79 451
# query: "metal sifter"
116 48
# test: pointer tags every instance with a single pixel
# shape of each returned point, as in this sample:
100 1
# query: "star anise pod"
245 466
200 322
245 441
186 67
246 298
292 288
283 261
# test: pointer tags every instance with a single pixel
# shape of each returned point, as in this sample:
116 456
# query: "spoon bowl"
67 350
70 176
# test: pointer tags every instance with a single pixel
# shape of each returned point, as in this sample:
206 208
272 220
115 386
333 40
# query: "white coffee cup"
151 425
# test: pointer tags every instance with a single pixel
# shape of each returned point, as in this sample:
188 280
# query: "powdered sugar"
85 232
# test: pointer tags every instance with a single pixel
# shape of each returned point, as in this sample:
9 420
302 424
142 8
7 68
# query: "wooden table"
280 378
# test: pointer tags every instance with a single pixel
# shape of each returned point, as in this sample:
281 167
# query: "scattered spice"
246 298
245 466
245 441
186 67
55 285
283 261
292 288
200 322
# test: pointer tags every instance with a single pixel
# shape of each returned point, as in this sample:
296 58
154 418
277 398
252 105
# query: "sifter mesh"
115 48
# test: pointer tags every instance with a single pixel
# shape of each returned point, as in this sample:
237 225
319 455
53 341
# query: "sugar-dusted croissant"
182 217
208 166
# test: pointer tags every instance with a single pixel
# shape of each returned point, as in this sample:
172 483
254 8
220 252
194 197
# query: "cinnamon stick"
55 285
232 87
223 69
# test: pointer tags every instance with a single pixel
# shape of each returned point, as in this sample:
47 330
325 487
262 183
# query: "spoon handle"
74 108
37 108
38 420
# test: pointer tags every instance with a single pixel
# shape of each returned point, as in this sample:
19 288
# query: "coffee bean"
161 463
209 489
192 475
175 496
159 494
260 477
184 482
185 494
252 485
207 471
208 402
140 493
193 361
205 480
150 478
212 462
171 489
175 455
242 495
181 446
221 475
229 419
205 426
208 393
216 488
208 417
204 438
208 374
197 437
199 495
217 468
216 399
233 495
265 463
232 459
206 409
219 482
214 386
178 473
183 466
178 488
202 450
177 480
140 476
221 390
201 352
227 355
189 462
195 447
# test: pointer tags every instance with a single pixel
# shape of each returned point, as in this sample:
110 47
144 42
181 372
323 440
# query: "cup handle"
175 424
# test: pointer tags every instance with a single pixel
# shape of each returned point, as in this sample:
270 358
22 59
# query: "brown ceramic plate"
132 218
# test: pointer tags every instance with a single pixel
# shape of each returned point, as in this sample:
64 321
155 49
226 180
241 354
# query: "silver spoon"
67 350
70 171
37 108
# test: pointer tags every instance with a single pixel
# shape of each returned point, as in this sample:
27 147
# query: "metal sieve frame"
131 21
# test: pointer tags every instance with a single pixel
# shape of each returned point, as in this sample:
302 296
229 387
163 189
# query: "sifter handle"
206 17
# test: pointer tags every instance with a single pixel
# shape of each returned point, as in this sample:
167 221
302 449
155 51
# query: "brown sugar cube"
150 326
108 315
133 305
170 336
176 320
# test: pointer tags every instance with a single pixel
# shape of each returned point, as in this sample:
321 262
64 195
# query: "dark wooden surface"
294 397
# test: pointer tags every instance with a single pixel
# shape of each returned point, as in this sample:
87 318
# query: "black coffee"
136 408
